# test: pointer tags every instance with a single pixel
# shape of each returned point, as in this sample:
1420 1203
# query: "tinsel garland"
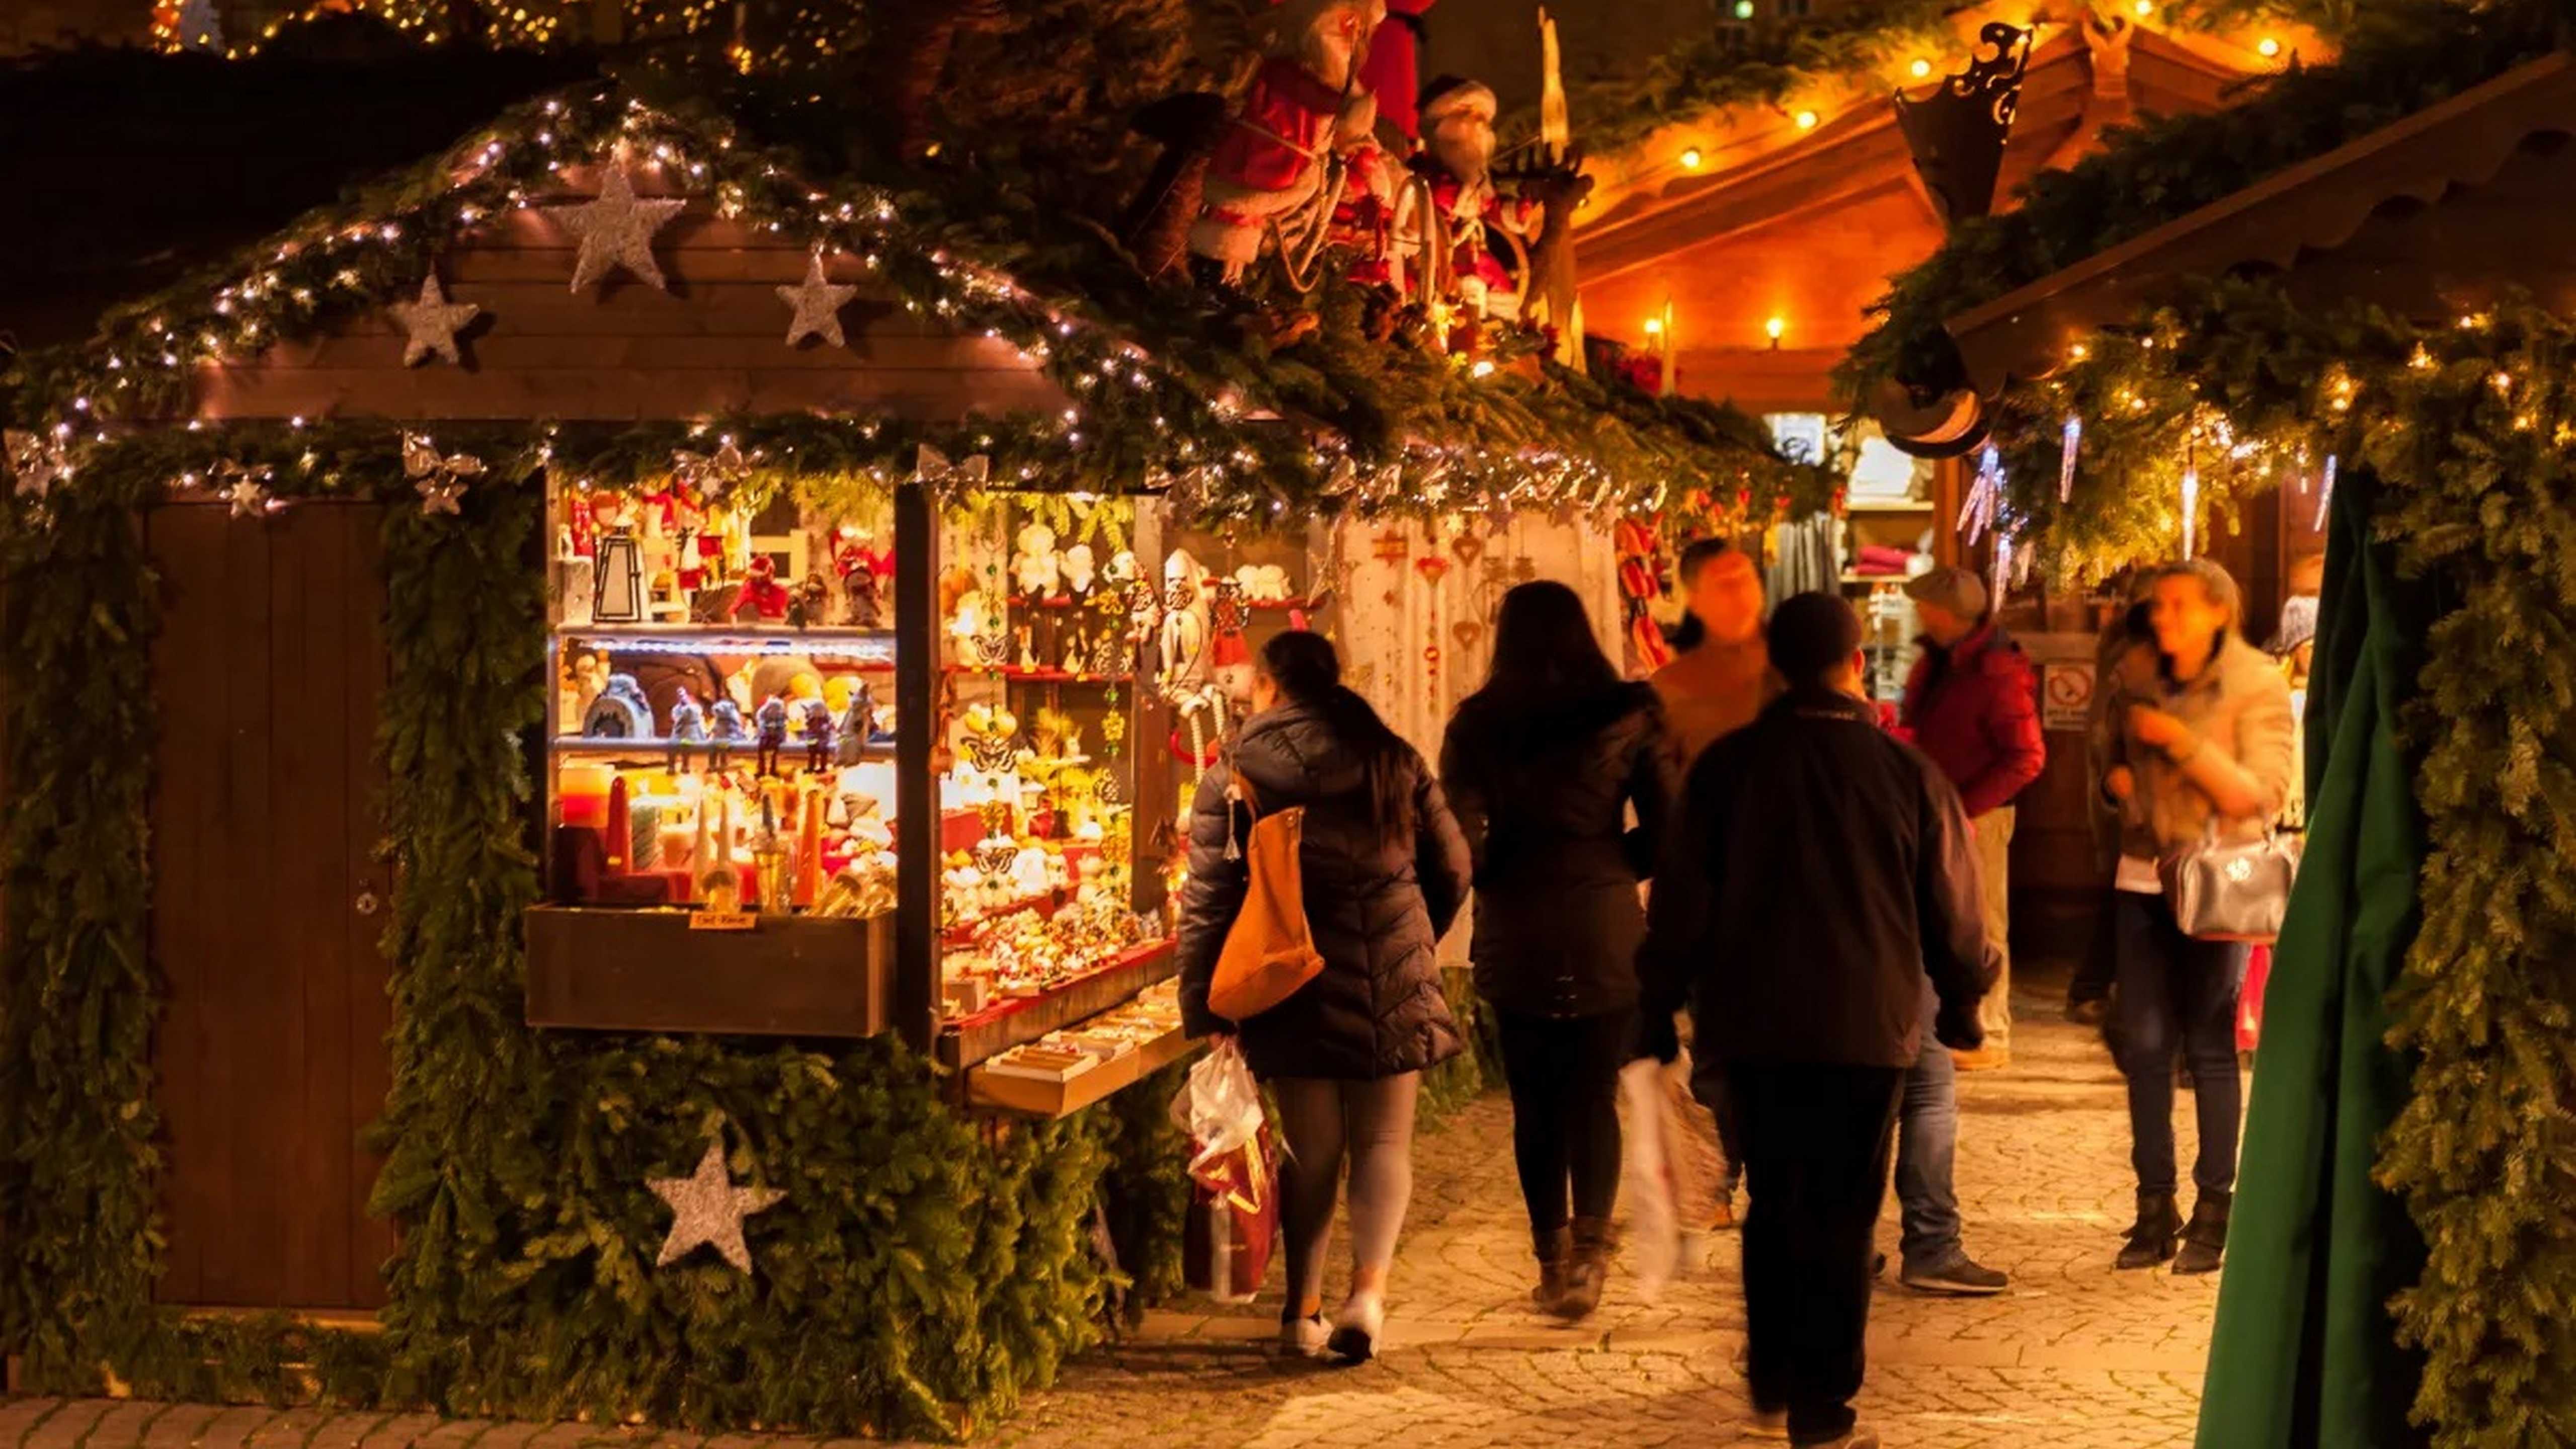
921 1275
2471 427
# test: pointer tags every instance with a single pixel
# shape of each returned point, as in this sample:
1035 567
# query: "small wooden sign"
723 921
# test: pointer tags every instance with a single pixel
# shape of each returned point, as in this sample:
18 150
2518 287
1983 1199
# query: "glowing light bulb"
1807 120
1775 328
1921 68
1654 326
1692 158
2144 8
1743 9
2267 48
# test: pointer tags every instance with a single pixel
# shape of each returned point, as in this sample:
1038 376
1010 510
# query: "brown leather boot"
1588 1268
2204 1239
1555 1249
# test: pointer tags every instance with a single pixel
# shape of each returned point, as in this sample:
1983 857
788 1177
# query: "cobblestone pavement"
2074 1356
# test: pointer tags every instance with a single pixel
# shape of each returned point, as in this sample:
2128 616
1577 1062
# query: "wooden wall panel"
271 1055
714 342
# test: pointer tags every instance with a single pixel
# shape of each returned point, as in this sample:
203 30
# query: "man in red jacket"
1973 706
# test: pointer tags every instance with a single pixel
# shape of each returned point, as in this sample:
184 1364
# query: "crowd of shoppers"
1745 843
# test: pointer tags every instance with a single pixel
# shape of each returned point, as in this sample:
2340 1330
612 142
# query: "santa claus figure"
1272 160
1457 160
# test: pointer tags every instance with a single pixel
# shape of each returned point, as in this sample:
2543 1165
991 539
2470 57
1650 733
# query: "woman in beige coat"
2197 742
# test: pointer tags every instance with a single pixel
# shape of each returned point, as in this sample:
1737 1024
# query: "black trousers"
1817 1142
1564 1077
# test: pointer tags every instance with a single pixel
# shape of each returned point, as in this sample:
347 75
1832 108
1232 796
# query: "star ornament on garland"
617 231
246 489
432 324
817 302
36 463
441 481
707 1211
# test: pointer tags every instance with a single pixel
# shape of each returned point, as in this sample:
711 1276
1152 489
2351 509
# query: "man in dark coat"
1820 870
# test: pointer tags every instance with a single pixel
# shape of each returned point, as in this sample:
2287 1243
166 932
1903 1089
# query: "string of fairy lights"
1134 424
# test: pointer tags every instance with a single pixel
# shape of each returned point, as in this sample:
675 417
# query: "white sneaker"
1357 1327
1303 1337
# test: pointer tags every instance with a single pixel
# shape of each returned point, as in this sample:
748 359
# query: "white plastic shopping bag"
1234 1207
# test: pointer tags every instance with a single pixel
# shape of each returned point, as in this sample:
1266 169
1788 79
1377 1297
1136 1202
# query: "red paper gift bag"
1234 1220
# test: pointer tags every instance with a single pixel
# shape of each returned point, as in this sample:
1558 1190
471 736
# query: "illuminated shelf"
864 646
1017 675
791 752
1885 505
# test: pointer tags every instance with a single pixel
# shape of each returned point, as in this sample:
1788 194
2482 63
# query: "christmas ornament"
707 1210
441 481
1468 547
2325 492
432 324
932 469
1432 567
817 303
245 489
1392 548
617 231
2190 505
1977 511
36 463
2074 439
711 475
1467 632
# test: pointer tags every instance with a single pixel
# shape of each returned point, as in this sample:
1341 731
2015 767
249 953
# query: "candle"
620 828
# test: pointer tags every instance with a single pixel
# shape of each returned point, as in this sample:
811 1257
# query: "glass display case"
720 774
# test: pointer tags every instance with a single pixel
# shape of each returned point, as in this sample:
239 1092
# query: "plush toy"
724 731
620 712
688 727
761 593
1079 570
858 722
1036 568
860 568
1268 164
815 717
771 722
1262 583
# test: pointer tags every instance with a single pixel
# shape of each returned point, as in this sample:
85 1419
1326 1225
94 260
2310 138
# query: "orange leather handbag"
1269 951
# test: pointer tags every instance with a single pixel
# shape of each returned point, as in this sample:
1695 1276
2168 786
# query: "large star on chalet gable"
617 231
707 1210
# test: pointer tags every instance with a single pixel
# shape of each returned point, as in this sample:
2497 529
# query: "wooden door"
268 903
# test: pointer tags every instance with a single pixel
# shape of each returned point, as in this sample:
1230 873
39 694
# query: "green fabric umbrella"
2305 1353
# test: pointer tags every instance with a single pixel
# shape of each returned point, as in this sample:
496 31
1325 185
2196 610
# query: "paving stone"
125 1425
232 1428
19 1416
68 1424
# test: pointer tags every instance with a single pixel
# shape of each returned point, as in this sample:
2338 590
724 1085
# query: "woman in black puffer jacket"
1543 765
1385 871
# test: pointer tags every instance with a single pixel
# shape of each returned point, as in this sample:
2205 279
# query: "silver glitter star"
248 499
707 1210
617 231
818 303
432 322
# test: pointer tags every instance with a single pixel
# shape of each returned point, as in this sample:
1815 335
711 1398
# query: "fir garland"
2470 428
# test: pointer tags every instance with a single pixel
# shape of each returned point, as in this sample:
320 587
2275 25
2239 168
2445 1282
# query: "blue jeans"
2177 995
1927 1150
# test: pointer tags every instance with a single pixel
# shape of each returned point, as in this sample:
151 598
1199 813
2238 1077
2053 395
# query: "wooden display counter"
646 970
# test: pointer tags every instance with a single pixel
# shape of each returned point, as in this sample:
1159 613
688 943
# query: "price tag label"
723 921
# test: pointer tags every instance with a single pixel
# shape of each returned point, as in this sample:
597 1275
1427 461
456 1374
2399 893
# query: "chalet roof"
1756 164
2503 139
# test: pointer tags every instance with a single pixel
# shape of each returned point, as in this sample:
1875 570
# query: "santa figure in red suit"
1457 159
1271 161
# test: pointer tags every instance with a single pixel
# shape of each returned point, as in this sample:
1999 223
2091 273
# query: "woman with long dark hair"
1544 765
1385 872
2197 744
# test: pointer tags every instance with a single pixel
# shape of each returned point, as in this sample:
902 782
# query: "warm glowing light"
2079 352
1692 158
2144 8
1806 120
1775 328
1743 9
1484 367
1921 68
2267 48
1654 326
